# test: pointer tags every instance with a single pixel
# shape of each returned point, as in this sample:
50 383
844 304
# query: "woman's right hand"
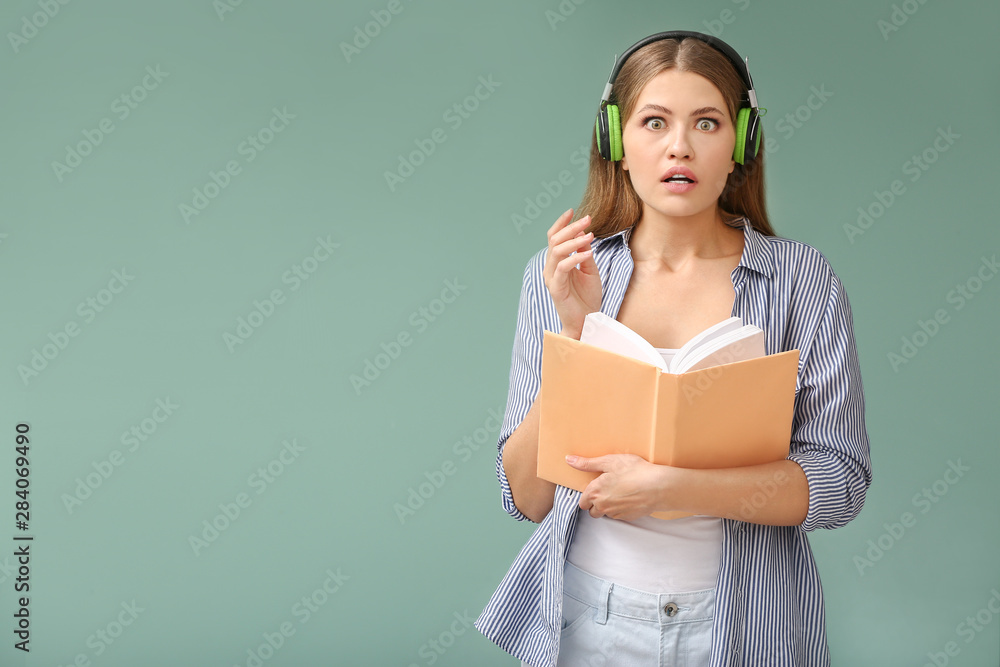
576 292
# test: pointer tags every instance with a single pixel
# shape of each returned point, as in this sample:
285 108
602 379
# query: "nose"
678 143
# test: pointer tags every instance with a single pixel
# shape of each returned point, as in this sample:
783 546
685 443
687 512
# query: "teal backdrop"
260 268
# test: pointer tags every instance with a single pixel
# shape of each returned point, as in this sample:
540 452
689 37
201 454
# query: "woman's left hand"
629 486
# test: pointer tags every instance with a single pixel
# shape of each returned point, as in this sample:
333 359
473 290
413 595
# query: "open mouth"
678 179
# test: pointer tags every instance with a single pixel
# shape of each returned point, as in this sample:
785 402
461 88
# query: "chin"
680 209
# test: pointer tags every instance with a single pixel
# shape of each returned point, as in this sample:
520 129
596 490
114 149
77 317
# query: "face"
670 127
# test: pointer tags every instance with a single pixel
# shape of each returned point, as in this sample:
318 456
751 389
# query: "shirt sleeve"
525 371
829 438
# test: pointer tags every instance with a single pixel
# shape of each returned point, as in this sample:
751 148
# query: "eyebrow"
696 112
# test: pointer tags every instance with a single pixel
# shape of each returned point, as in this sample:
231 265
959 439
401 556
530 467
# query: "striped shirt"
769 598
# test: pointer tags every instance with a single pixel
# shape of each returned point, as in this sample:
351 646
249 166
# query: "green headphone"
608 126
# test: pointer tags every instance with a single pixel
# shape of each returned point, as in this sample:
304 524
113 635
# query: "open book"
719 403
725 342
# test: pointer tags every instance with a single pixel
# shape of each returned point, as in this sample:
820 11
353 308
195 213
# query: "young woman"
675 237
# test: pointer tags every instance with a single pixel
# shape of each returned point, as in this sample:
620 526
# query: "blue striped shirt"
769 598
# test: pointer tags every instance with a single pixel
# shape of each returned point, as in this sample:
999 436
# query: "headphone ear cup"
609 133
601 130
747 135
739 149
614 133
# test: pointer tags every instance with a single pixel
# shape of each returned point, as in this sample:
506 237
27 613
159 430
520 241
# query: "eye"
653 122
714 123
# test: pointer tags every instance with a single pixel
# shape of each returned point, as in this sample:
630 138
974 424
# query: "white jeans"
605 624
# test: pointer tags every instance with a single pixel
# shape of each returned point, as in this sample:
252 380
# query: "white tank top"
650 554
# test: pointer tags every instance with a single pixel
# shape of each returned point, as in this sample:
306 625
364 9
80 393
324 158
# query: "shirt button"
670 608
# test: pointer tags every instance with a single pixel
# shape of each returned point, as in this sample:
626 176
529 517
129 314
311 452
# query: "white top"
650 554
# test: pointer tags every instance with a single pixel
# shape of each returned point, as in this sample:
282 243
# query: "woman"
600 581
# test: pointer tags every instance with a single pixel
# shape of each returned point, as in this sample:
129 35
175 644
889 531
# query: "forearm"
532 496
775 494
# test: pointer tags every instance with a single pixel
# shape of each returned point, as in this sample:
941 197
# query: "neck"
671 243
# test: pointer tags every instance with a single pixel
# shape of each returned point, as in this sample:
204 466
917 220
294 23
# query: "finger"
560 222
558 235
587 504
561 279
565 266
569 231
587 263
566 248
595 464
561 245
557 271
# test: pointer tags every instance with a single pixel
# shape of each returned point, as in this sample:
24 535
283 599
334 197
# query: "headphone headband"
742 68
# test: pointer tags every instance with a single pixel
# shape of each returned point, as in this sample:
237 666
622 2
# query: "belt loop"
602 603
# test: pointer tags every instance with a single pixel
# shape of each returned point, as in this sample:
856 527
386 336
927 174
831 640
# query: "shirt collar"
757 255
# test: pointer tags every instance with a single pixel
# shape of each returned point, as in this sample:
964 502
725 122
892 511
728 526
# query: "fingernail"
570 458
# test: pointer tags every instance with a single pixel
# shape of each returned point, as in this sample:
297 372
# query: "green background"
405 580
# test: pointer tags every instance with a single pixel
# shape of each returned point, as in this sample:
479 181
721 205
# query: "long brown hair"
610 199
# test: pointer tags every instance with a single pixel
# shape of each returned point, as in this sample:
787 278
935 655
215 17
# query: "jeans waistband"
611 598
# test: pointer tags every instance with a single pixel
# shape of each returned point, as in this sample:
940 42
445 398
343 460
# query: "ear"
732 166
625 163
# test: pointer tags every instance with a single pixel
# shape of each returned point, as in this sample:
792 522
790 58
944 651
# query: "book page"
690 348
740 345
605 332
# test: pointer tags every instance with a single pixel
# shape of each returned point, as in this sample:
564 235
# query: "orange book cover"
596 402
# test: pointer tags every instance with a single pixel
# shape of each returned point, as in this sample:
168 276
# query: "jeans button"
670 608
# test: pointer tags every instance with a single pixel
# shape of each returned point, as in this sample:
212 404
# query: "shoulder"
798 279
533 270
801 265
790 255
537 261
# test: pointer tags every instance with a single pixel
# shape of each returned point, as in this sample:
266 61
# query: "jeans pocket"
697 643
575 613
